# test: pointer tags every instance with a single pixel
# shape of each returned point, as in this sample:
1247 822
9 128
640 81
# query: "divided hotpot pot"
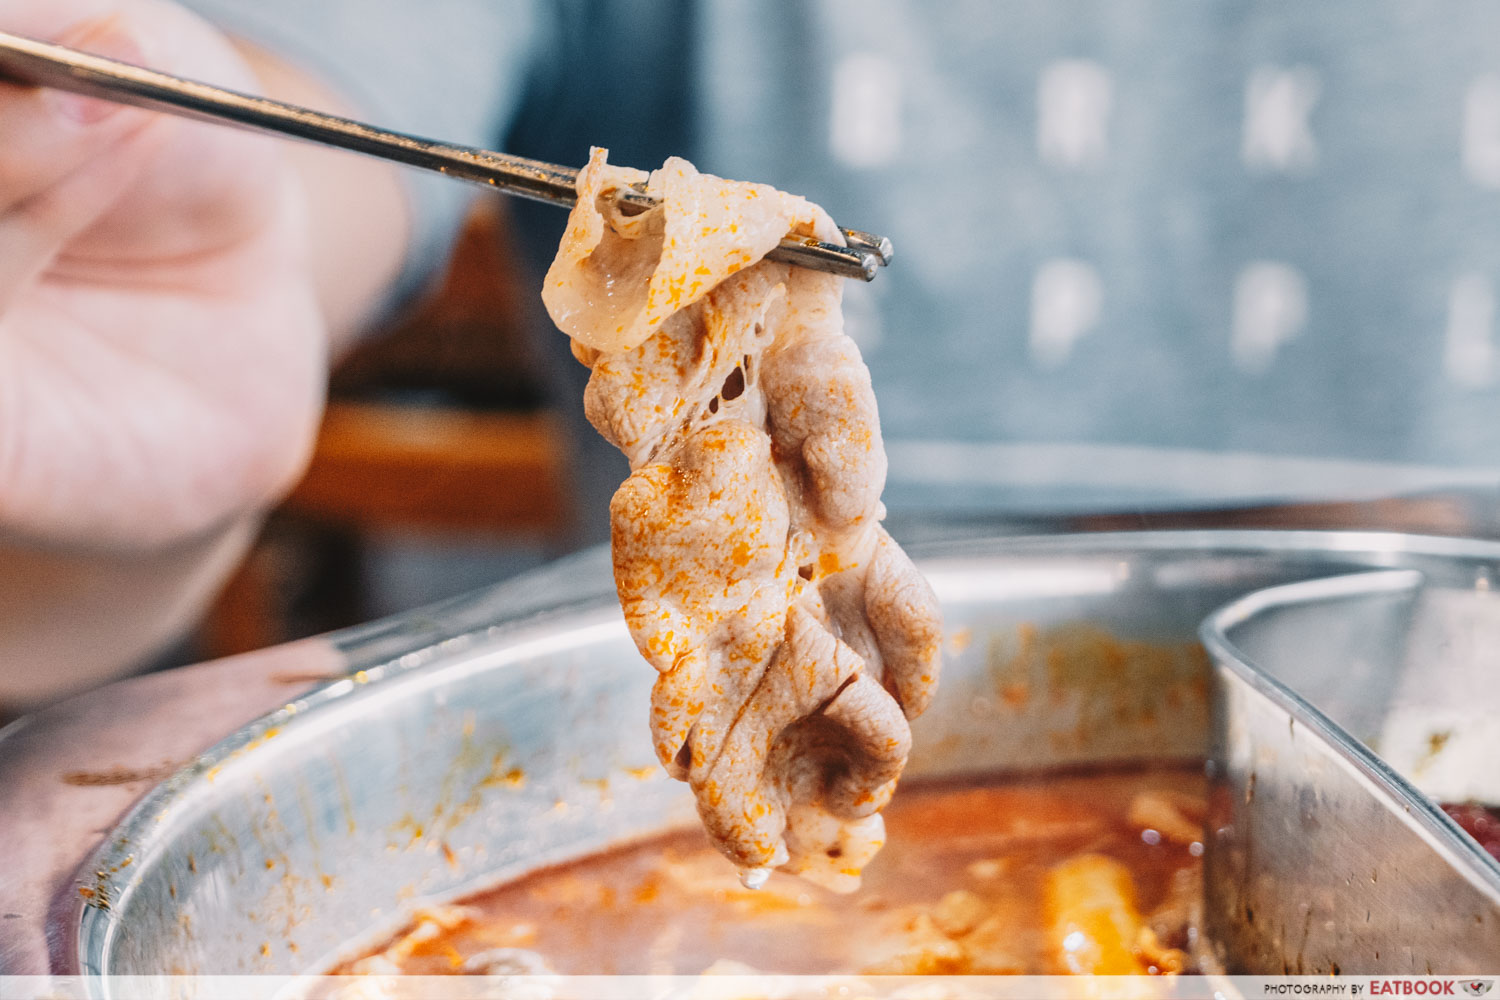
445 750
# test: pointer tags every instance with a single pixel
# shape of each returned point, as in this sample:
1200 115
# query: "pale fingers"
49 134
33 232
64 161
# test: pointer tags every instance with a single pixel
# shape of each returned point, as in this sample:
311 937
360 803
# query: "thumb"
50 133
64 159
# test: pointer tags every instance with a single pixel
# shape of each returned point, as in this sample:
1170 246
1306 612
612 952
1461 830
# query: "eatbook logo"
1477 987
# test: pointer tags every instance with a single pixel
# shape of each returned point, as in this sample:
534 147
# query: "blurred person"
169 296
1151 254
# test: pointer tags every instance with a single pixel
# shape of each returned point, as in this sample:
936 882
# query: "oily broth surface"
673 905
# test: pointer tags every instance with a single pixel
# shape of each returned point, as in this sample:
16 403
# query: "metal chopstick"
27 61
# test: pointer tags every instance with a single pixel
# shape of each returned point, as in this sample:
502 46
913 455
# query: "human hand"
162 350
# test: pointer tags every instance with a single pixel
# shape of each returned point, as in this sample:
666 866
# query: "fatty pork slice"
822 409
699 549
617 277
701 367
792 637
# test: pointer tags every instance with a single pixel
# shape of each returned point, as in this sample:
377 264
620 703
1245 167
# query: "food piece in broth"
794 639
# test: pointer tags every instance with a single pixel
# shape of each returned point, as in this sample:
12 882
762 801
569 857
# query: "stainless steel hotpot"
477 740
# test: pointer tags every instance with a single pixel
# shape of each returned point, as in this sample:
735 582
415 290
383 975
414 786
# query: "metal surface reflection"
479 739
1324 857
